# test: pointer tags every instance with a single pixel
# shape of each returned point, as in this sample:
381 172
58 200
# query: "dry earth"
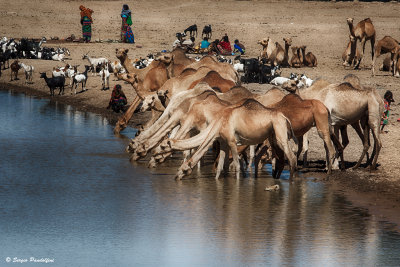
319 25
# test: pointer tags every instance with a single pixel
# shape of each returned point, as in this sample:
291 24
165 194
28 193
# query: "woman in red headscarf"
86 21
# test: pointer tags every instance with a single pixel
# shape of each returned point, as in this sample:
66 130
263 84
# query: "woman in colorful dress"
388 98
118 100
224 46
126 31
86 21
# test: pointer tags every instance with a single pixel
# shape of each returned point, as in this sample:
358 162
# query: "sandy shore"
319 25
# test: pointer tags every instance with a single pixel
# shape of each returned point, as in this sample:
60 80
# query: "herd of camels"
197 105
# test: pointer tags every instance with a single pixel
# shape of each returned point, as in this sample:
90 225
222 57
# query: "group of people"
219 47
126 30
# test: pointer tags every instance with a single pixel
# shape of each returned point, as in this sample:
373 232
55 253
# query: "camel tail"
290 132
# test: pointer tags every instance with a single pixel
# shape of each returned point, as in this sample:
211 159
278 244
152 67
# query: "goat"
80 78
93 62
28 71
267 73
207 31
54 82
71 72
307 81
105 76
192 29
60 71
14 69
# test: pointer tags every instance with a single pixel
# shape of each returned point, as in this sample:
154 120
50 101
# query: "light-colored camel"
295 61
268 46
280 56
363 32
309 59
176 61
181 117
351 55
249 123
386 45
349 105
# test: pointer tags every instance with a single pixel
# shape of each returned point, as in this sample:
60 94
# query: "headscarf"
86 12
125 11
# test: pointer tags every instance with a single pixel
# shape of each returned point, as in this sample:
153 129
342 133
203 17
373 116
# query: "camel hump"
367 20
252 104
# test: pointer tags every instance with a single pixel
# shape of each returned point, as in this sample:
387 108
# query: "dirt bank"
319 25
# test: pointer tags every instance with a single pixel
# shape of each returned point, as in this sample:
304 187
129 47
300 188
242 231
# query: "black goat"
251 69
266 72
192 29
54 82
207 31
5 57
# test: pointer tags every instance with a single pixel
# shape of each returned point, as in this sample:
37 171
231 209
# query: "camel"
386 45
280 56
149 80
176 61
303 115
181 114
267 48
295 60
349 105
249 123
309 59
363 32
351 55
386 65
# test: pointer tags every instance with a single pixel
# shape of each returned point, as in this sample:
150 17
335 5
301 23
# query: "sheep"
54 82
28 71
93 62
80 78
105 76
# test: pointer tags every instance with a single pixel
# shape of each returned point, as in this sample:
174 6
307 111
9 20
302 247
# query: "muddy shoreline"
370 190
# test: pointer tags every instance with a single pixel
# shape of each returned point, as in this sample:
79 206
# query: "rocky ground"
319 25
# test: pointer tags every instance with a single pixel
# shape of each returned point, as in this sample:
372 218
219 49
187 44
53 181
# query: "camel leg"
282 142
251 159
372 46
365 146
223 157
155 115
235 157
305 149
257 159
124 119
361 53
374 126
329 148
339 149
376 55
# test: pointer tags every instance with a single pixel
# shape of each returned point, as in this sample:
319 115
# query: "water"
69 193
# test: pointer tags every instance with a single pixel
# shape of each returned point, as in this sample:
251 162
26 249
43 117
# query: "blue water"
68 193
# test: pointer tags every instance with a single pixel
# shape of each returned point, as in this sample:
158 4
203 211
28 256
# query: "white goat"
307 81
80 78
28 71
94 62
71 72
239 67
105 75
57 72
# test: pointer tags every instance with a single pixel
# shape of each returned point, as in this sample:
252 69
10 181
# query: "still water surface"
69 193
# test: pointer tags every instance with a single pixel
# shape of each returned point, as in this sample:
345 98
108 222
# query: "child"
238 48
388 98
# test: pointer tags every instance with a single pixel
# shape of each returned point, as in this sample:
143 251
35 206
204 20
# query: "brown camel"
386 45
351 55
295 61
280 56
309 59
303 115
363 32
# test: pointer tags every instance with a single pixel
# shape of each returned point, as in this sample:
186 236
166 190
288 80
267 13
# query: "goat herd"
199 103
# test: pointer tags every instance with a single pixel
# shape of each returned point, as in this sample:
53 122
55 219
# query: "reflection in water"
68 192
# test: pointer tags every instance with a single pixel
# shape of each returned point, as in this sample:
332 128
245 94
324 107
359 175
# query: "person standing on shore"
86 22
388 98
126 30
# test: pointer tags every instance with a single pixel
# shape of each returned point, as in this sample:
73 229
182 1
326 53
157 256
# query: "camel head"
166 58
263 42
290 86
288 41
148 102
349 21
121 53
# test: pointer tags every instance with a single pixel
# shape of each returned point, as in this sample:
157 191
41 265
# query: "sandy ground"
319 25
